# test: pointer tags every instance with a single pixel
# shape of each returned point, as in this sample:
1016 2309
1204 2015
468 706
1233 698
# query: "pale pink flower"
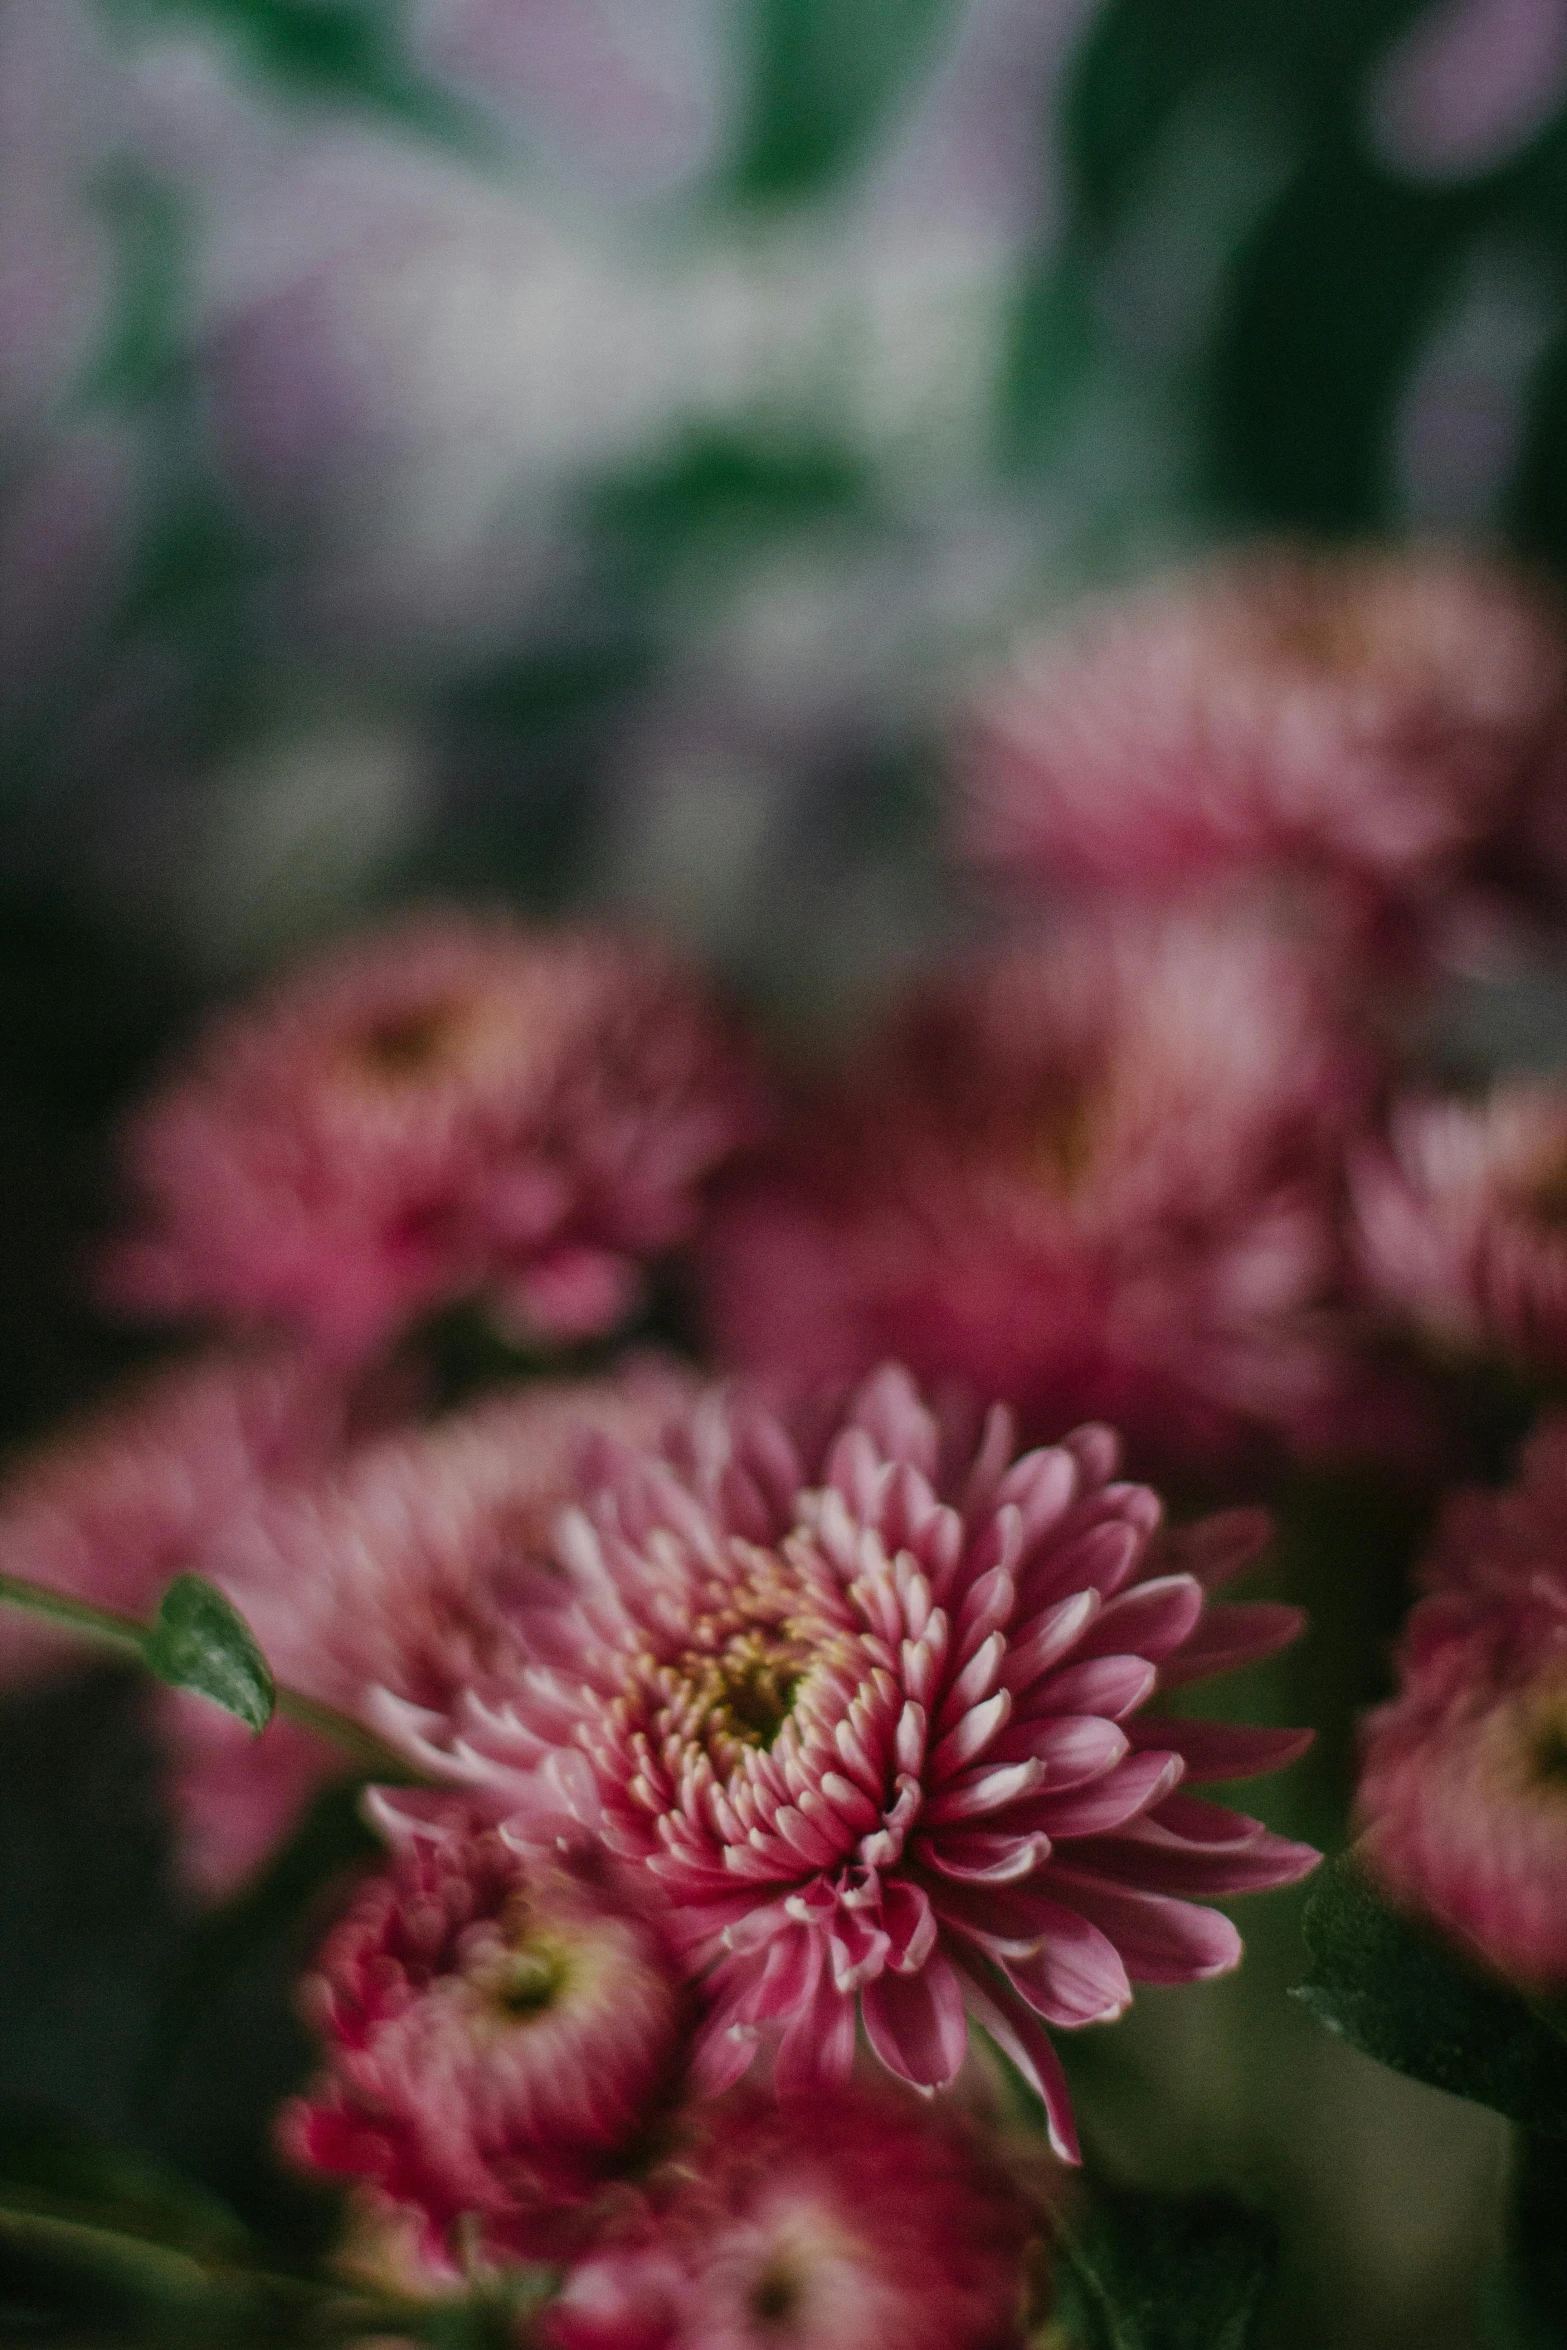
1368 716
453 1106
1461 1221
147 1486
1100 1175
503 2041
1463 1794
869 1713
869 2222
390 1572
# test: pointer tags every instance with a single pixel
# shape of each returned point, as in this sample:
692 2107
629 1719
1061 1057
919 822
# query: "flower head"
502 2039
1101 1175
1366 716
389 1572
452 1106
1463 1793
875 2223
1461 1221
869 1714
153 1482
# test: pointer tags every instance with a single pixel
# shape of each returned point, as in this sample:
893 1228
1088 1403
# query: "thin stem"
378 1759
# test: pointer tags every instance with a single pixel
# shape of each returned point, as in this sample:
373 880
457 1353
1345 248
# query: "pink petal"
1220 1546
1233 1635
1108 1685
818 2046
1157 1862
1076 1747
1020 2035
1109 1802
1075 1976
984 1791
1220 1750
1160 1940
971 1856
1050 1637
916 2023
1149 1620
971 1735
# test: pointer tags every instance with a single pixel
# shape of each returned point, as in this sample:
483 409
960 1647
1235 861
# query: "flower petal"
916 2023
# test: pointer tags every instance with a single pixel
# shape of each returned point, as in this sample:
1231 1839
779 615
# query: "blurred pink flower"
502 2042
871 2222
392 1572
1463 1794
1365 716
864 1713
1103 1176
151 1483
1461 1221
450 1106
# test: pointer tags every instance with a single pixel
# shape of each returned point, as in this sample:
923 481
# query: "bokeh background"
572 452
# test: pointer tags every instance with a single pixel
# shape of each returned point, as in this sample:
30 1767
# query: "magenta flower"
1463 1794
450 1107
1099 1176
503 2041
389 1572
1461 1222
1368 717
872 2222
153 1482
870 1714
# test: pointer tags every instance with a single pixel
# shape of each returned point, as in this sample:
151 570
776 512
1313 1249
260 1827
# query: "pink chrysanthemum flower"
450 1107
503 2040
872 2223
1461 1221
1463 1794
870 1715
1367 716
391 1572
1099 1176
151 1483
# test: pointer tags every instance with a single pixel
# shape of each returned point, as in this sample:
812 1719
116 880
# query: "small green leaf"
1393 1989
823 78
198 1641
1159 2272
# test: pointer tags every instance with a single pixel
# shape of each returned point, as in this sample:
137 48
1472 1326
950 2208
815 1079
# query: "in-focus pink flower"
1370 717
1103 1176
448 1107
503 2041
392 1571
1463 1794
870 1714
150 1484
869 2222
1461 1222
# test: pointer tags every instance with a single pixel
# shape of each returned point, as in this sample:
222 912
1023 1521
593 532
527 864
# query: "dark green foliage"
1158 2272
822 80
348 52
199 1641
1393 1989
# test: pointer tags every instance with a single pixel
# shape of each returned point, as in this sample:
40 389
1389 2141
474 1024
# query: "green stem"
163 2276
379 1760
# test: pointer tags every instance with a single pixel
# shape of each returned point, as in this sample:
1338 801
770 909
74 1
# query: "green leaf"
1326 311
1393 1989
198 1641
346 51
47 2164
823 77
1157 2272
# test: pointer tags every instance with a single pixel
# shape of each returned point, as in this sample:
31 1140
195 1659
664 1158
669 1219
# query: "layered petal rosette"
874 2222
1461 1222
1099 1175
1369 718
1463 1794
503 2042
451 1107
870 1711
